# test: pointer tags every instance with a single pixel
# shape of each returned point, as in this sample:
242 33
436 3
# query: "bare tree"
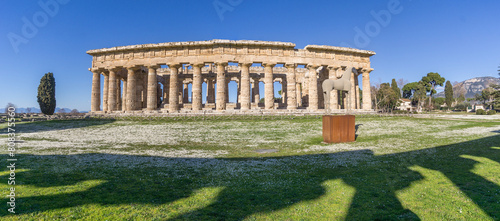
74 112
374 91
8 106
401 83
28 110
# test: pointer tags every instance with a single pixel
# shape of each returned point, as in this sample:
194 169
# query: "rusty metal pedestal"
339 128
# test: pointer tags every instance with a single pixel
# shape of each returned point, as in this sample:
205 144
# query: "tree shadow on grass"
51 125
257 185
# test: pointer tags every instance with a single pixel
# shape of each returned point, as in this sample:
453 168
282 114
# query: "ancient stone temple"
168 77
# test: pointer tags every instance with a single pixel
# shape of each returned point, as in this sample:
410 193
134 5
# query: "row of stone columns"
136 89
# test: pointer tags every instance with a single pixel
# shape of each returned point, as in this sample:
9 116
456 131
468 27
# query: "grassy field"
399 168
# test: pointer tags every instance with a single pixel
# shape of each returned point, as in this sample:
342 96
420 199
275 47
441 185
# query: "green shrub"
491 112
480 112
400 112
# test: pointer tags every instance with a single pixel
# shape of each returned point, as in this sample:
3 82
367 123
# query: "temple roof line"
224 42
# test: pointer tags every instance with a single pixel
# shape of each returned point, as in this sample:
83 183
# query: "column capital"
153 66
96 70
269 64
114 69
174 65
198 65
313 66
246 64
333 67
133 68
223 63
366 70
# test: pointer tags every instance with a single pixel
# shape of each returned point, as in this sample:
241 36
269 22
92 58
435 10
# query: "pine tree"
47 94
430 82
395 87
448 93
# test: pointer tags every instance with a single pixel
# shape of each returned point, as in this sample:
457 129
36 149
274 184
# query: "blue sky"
457 39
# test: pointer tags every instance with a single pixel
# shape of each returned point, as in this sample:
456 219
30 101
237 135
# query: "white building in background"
405 104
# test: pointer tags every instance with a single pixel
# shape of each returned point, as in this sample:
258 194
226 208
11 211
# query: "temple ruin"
168 77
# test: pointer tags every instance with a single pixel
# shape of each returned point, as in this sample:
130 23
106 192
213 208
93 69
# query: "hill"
471 86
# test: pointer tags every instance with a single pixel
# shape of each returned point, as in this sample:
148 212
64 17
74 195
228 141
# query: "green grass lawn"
399 168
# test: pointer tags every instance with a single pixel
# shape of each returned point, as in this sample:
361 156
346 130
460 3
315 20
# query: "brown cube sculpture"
339 128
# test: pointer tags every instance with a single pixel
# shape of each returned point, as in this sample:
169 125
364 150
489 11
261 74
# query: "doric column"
105 92
166 86
332 75
144 89
305 91
221 86
238 91
131 89
367 99
118 95
196 87
124 95
313 87
356 83
299 95
159 94
112 85
291 87
252 91
352 92
256 91
210 91
284 92
227 90
96 91
185 95
138 89
268 86
173 101
152 88
321 78
180 93
245 86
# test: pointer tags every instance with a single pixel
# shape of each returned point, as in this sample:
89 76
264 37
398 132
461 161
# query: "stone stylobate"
194 76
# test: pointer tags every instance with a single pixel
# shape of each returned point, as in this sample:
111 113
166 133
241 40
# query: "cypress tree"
395 87
47 94
448 93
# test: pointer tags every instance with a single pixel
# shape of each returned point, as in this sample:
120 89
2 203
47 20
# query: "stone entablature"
228 51
139 67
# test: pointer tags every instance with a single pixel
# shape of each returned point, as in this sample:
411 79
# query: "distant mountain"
37 110
23 110
471 87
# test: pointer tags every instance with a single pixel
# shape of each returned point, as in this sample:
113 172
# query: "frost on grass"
123 137
218 138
